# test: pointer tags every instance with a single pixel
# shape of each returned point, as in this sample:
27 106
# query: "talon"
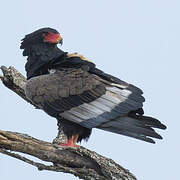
71 142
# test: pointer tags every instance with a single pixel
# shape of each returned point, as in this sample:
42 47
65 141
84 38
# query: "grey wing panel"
64 106
113 104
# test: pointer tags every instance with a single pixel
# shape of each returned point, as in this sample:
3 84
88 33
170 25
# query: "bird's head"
41 48
42 36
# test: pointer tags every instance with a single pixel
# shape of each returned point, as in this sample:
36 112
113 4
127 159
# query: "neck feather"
39 58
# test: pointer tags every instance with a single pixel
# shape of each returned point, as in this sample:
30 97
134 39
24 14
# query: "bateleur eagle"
79 95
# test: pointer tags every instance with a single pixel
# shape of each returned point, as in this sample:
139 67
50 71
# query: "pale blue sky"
135 40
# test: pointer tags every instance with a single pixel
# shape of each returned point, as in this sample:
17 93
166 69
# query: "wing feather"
69 91
79 92
139 128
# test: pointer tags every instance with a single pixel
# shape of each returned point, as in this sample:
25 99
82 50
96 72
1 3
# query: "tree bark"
80 162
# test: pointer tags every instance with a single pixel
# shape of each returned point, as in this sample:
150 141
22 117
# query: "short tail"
139 127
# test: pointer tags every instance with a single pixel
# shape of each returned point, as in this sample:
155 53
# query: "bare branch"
22 158
81 162
78 161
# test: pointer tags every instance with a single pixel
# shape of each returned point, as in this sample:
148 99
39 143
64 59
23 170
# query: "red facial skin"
52 38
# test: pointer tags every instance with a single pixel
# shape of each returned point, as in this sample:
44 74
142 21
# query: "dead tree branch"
80 162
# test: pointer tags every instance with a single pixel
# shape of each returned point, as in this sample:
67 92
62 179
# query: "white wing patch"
100 110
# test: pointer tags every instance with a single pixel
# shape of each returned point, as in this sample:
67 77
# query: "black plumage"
81 96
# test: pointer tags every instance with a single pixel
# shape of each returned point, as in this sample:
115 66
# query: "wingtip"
149 140
152 142
160 126
163 126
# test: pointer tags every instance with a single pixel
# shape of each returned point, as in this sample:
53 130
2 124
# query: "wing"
63 89
92 99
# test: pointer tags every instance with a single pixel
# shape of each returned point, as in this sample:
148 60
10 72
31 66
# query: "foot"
71 142
69 145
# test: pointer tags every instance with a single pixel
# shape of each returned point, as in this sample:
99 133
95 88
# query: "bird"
80 96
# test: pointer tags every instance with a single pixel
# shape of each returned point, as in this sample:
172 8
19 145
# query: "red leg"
71 142
75 138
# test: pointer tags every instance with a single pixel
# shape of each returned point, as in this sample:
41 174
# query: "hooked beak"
60 41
